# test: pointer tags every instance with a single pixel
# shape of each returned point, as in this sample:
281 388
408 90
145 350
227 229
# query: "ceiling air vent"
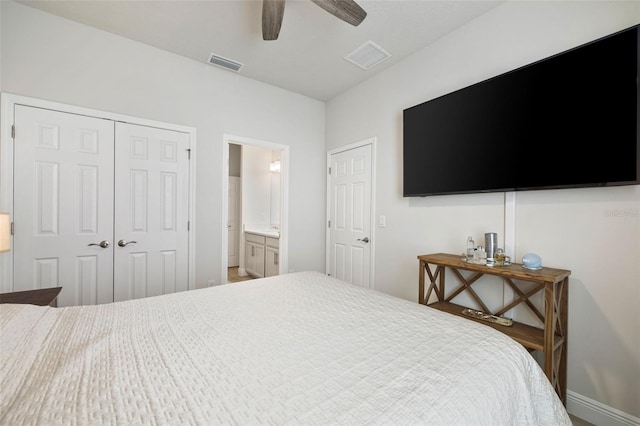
367 55
224 62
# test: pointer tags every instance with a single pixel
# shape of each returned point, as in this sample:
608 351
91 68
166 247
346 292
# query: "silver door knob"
124 243
364 240
103 244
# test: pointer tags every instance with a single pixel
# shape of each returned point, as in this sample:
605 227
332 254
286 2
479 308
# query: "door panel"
151 210
233 227
350 215
63 186
66 167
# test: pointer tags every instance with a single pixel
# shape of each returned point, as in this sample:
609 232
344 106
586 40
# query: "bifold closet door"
63 204
100 207
151 243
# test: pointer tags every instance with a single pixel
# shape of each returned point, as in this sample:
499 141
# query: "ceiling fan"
273 10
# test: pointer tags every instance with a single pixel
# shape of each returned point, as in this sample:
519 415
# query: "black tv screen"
567 121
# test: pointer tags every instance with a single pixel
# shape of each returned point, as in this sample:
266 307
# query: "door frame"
372 264
8 101
228 139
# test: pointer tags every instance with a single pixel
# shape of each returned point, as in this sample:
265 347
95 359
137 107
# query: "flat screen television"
567 121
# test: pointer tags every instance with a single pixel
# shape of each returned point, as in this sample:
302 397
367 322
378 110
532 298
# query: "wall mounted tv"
567 121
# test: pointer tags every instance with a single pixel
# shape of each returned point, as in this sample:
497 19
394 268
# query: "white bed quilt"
301 348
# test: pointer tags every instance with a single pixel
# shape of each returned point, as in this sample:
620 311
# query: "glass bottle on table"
471 247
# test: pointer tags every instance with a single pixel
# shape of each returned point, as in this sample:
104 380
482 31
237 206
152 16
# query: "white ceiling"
307 58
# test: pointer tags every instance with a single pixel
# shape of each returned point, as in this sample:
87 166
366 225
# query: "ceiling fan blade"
347 10
272 13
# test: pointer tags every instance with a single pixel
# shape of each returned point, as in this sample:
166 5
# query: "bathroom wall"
276 189
256 186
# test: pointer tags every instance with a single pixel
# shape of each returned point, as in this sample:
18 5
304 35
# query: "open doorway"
254 209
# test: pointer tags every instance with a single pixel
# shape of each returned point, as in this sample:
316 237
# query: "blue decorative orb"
531 261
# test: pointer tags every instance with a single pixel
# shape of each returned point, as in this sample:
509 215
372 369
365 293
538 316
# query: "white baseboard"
598 413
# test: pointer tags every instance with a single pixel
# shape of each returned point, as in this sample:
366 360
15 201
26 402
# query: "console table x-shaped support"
551 339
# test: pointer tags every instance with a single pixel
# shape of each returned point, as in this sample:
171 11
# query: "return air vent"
368 55
224 62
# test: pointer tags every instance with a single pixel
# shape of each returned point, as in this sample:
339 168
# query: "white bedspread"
301 348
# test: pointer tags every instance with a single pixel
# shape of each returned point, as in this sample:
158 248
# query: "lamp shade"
5 232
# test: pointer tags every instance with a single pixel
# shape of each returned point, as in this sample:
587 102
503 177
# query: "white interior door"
63 204
233 218
350 215
151 237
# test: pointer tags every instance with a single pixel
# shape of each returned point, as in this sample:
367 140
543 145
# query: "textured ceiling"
308 56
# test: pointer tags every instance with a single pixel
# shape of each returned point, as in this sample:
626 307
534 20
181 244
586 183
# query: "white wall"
595 233
256 186
276 190
51 58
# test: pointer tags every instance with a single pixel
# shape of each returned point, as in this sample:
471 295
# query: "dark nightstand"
40 297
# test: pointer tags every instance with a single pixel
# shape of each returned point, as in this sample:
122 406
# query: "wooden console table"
551 339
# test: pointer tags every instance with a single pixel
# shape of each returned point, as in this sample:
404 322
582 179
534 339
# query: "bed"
301 348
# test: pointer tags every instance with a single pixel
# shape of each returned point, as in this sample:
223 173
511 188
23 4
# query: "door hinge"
189 153
12 228
329 224
13 131
329 170
188 225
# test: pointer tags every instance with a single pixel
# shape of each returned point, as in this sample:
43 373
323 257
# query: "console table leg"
563 315
421 283
549 332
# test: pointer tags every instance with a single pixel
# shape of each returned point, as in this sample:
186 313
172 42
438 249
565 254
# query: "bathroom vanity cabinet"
272 257
262 255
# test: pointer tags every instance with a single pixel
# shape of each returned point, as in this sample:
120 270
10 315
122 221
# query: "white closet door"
63 203
151 238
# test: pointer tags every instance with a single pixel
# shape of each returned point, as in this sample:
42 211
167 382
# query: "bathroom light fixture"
5 232
274 166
